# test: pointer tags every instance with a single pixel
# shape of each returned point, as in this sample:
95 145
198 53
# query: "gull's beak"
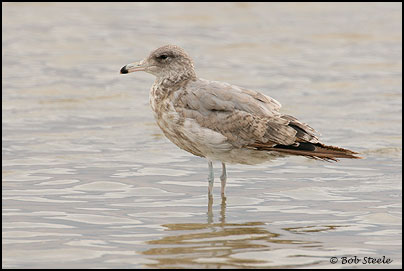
134 67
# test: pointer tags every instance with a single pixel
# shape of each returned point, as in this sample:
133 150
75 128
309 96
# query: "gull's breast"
186 133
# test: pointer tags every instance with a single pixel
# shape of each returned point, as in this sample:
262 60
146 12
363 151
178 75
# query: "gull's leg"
223 178
211 178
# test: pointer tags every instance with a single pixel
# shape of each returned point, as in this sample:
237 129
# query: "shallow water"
89 180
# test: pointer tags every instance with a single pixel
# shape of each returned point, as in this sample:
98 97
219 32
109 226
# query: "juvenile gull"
223 122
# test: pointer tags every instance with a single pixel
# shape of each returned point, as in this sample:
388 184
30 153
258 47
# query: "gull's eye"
162 57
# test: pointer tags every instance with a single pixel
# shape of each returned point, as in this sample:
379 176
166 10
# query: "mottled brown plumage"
224 122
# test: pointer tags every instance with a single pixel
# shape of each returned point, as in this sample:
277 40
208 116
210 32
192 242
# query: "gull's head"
169 61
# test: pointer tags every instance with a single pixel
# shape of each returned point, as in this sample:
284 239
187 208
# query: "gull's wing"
244 117
208 96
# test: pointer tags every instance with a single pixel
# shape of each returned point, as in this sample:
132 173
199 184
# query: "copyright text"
359 260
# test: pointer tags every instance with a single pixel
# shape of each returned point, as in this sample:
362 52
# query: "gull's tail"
311 150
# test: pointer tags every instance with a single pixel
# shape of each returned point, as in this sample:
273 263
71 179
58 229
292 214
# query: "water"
89 180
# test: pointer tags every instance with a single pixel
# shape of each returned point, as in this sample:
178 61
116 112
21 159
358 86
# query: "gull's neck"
165 86
174 78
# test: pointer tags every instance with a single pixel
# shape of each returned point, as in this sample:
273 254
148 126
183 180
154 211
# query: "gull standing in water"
223 122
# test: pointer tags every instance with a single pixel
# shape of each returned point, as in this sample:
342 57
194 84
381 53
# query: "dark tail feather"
312 150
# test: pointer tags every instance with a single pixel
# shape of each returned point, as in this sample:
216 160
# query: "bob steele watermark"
358 260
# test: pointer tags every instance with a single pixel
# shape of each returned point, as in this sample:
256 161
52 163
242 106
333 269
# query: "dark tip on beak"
124 70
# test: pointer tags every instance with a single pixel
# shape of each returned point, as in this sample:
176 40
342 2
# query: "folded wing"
244 116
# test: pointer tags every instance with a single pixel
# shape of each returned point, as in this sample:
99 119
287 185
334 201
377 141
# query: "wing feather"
244 116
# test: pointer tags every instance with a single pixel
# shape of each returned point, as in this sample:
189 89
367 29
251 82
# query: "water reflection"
306 229
217 245
222 210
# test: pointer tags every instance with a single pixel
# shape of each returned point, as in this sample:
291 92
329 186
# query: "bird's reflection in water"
211 245
222 210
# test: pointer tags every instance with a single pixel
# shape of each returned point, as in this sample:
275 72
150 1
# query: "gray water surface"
89 180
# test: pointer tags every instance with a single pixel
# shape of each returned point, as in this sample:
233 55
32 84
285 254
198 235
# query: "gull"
224 122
